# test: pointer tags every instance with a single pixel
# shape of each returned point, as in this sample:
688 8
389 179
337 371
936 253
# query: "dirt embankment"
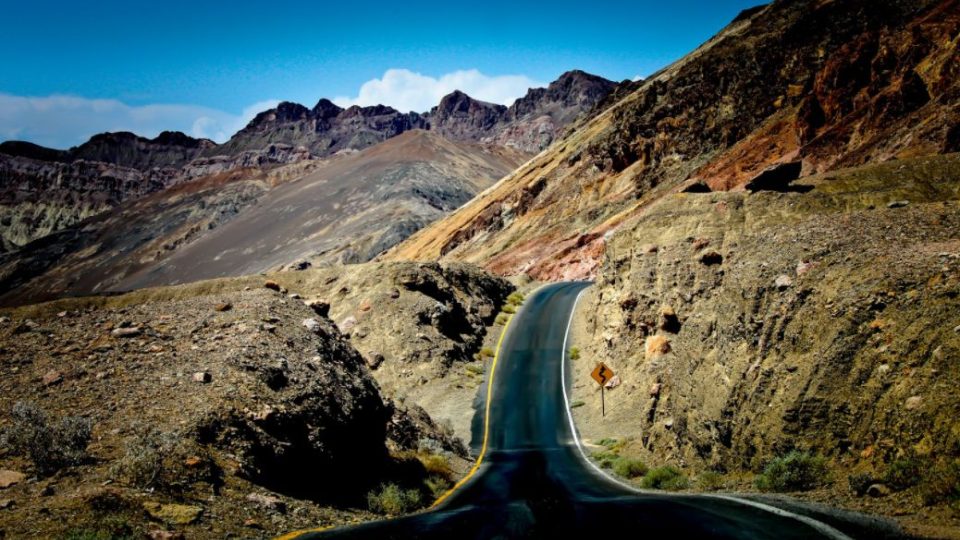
744 326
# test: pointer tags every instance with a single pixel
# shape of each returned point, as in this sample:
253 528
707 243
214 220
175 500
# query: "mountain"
347 208
531 123
44 190
825 85
324 130
771 227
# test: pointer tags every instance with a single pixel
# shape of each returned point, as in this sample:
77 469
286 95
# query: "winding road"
534 481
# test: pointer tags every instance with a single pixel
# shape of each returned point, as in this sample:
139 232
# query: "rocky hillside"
821 85
44 190
343 209
39 196
238 407
827 319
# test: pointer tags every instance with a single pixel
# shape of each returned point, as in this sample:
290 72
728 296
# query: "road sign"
602 374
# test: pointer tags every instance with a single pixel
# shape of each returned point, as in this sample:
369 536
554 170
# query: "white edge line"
819 526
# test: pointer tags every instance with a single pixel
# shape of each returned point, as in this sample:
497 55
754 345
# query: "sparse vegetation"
796 471
629 468
710 481
903 473
574 353
942 484
667 478
392 500
50 447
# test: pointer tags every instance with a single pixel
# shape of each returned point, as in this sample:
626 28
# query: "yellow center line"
486 421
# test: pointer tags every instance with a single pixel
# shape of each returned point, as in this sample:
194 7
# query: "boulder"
878 490
10 478
202 377
267 502
175 514
127 331
52 377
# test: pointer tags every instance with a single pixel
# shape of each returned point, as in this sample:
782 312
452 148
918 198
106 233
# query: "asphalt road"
534 481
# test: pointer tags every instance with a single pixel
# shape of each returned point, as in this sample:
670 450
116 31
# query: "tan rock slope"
239 406
743 326
826 84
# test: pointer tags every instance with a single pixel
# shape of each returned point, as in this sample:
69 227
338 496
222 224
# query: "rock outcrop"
826 84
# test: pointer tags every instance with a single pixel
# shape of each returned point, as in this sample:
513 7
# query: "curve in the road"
533 478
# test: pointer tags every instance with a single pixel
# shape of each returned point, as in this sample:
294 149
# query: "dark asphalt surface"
534 482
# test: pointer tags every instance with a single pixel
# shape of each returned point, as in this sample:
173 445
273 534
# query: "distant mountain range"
121 205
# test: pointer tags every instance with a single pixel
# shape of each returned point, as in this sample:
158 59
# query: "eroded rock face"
295 408
803 336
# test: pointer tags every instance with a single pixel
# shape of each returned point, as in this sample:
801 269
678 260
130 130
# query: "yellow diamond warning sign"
602 374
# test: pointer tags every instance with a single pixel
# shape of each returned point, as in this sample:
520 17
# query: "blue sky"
139 64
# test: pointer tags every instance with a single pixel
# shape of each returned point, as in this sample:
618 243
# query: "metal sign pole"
603 403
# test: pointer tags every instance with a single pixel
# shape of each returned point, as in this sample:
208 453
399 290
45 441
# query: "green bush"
942 484
629 468
666 478
710 481
574 353
796 471
605 458
50 447
392 500
509 308
515 298
486 352
903 473
502 319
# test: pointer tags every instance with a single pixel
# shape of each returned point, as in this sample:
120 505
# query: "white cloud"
63 121
406 90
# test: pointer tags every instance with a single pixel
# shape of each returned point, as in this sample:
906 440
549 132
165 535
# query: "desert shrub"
437 486
860 483
515 298
608 442
509 308
502 319
666 478
796 471
605 458
435 464
111 528
903 473
165 461
50 447
486 352
574 353
629 468
942 484
142 464
710 481
393 500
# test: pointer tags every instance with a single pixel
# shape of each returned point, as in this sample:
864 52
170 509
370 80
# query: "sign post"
602 374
